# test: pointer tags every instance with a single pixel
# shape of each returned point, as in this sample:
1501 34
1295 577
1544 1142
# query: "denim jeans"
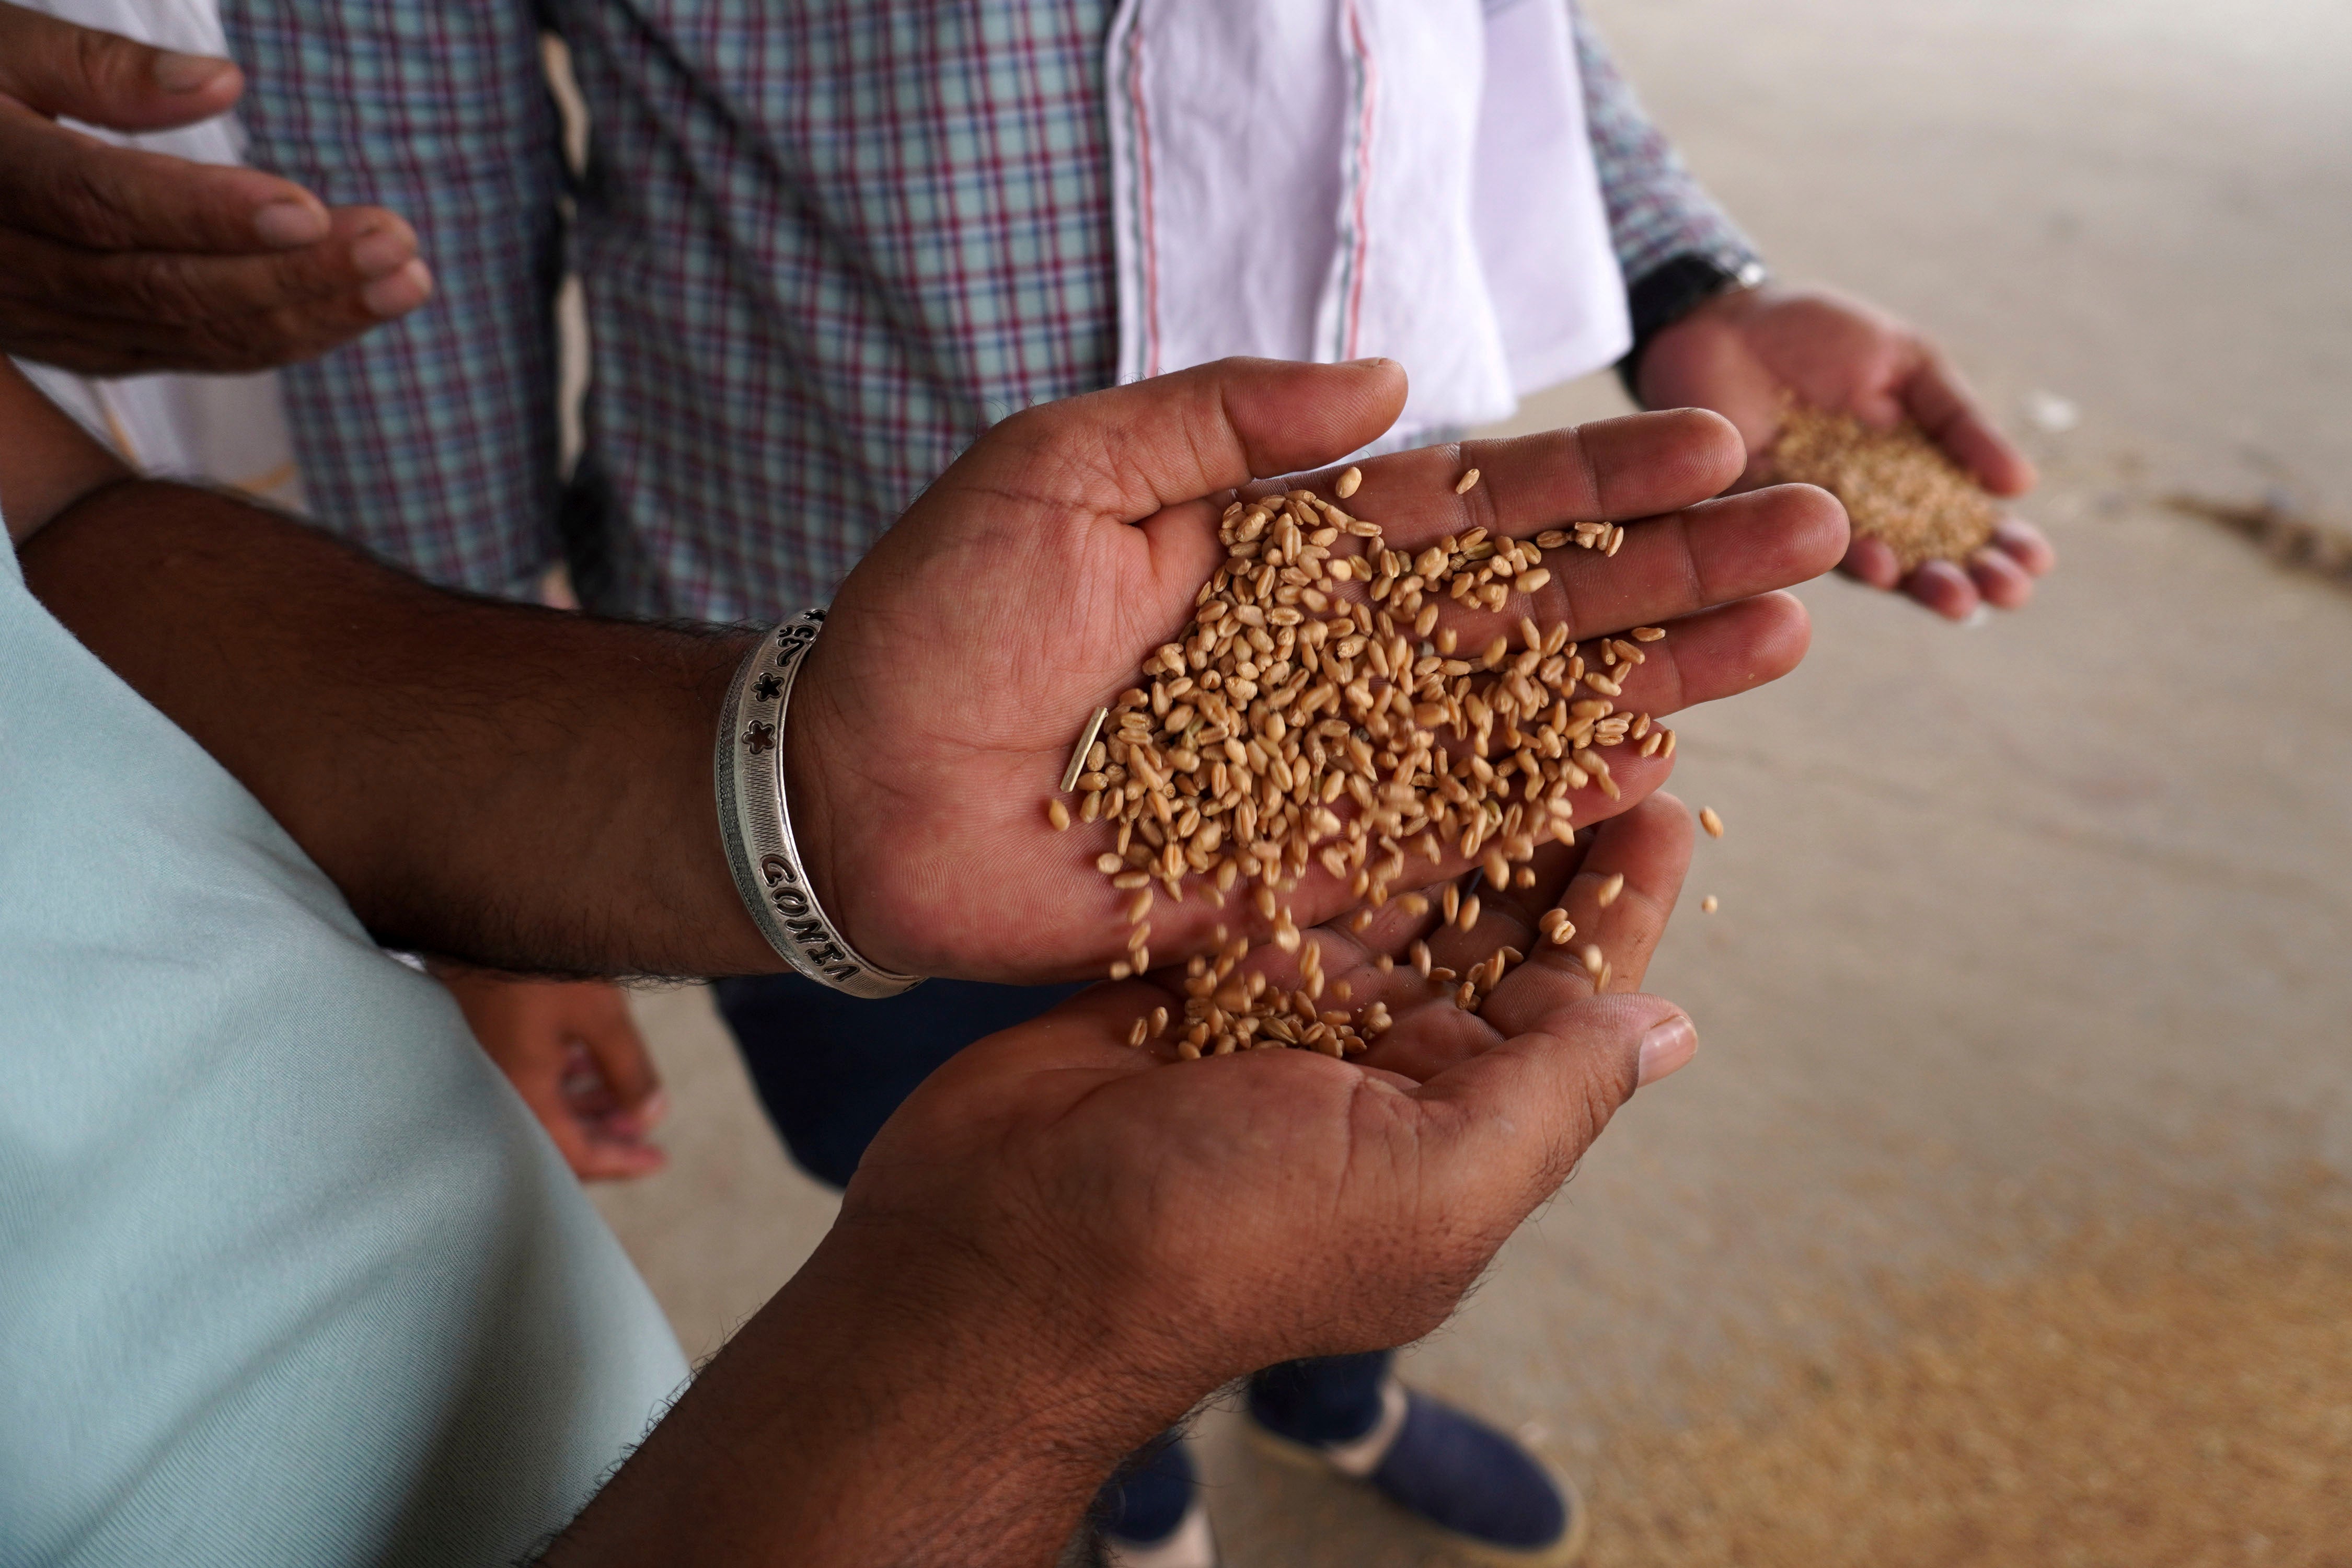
830 1068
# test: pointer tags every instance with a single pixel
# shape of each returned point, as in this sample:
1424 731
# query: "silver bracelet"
757 824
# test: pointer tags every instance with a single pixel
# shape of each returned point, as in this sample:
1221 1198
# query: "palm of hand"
1022 590
1748 354
1199 1194
1744 355
1031 606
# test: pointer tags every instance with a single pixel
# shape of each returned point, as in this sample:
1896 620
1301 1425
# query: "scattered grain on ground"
2171 1391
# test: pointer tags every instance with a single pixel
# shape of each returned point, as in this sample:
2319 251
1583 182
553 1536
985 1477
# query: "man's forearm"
873 1416
500 784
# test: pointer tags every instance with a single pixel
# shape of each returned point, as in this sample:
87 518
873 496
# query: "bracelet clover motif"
756 824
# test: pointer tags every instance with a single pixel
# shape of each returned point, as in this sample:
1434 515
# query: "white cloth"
1332 179
225 429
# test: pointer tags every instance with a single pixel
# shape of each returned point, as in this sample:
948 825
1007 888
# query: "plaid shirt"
823 243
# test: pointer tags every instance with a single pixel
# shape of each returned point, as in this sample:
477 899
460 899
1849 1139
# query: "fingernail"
1368 363
380 252
399 293
1665 1047
285 225
187 73
654 1108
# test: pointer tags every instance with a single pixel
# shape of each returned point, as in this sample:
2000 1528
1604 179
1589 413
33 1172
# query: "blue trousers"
830 1068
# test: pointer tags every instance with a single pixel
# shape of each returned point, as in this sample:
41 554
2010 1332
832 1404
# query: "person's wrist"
1671 294
1680 340
918 1402
1040 1358
866 1418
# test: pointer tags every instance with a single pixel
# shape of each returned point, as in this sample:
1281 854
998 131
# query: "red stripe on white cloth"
1147 237
1352 336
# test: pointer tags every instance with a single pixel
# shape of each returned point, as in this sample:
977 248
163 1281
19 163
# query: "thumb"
1503 1130
1131 450
58 68
602 1021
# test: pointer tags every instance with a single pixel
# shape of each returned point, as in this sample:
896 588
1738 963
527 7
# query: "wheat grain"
1313 714
1897 486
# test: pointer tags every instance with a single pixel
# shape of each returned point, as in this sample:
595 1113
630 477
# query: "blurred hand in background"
574 1053
115 261
1744 352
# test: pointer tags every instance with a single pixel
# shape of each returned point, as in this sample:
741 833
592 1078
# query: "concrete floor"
2016 929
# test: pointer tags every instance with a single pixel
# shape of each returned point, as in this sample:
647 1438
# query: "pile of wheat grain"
1313 712
1896 485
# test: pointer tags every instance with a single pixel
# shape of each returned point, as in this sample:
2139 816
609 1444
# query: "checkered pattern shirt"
824 245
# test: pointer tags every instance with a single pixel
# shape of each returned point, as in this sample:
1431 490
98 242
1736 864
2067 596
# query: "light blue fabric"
287 1273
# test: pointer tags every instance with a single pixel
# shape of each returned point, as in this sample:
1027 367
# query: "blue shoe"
1151 1514
1496 1502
